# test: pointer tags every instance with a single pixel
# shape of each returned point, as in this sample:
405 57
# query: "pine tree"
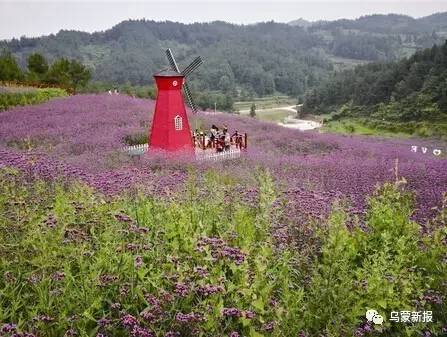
9 70
37 64
253 110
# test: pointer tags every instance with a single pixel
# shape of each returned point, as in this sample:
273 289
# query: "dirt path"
301 124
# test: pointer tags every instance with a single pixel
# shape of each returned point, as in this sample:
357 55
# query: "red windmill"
170 127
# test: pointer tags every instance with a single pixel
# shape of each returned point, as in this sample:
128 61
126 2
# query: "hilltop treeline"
69 74
413 89
240 60
256 60
388 24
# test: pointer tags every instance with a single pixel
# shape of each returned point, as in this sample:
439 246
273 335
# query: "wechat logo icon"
373 316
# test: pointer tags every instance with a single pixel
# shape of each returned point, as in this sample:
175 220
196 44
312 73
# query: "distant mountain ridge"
245 60
382 23
301 23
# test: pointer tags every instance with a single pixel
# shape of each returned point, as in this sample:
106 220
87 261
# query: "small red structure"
170 127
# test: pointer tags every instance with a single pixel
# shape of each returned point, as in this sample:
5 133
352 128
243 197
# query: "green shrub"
388 267
350 128
11 99
136 139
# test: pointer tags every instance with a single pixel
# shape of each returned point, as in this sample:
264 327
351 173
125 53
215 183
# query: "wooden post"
245 140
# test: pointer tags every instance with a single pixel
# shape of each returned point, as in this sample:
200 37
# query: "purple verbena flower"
269 326
107 279
58 276
9 327
138 331
208 290
115 306
172 334
128 321
231 312
43 318
9 277
248 314
185 318
201 271
138 262
70 333
181 289
123 217
103 322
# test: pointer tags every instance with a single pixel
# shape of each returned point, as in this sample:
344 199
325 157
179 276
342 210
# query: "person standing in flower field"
227 139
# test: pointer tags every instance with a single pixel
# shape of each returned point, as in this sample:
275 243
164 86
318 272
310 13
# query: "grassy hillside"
408 96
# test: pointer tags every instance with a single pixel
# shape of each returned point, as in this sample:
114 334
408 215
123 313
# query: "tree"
37 64
253 110
9 70
71 74
299 110
229 103
225 84
79 74
58 73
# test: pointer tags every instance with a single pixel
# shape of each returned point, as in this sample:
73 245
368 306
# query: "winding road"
291 122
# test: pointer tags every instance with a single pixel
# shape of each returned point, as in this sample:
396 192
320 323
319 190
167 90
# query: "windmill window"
178 123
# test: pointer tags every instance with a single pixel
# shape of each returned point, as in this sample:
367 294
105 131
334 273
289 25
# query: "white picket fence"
218 156
138 150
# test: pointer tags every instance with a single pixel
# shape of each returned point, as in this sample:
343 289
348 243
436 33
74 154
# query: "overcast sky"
35 18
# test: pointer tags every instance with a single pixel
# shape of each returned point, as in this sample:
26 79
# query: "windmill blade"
189 97
193 66
171 60
197 62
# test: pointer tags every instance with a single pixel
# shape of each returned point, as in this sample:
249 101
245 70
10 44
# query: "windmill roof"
167 73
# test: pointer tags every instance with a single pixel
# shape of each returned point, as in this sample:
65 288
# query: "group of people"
219 139
115 91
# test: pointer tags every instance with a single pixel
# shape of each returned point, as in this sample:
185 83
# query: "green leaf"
382 303
254 333
259 304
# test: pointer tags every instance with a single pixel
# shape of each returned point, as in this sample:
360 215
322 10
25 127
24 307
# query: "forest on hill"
413 89
387 24
241 60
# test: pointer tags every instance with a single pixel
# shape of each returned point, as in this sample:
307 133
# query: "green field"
354 126
273 115
267 107
267 102
342 63
13 96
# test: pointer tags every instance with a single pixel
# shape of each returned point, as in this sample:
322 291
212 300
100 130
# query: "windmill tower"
170 127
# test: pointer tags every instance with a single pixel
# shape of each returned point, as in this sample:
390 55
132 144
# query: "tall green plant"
383 268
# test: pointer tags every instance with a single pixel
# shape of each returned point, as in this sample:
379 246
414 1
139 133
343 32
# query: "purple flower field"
82 136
